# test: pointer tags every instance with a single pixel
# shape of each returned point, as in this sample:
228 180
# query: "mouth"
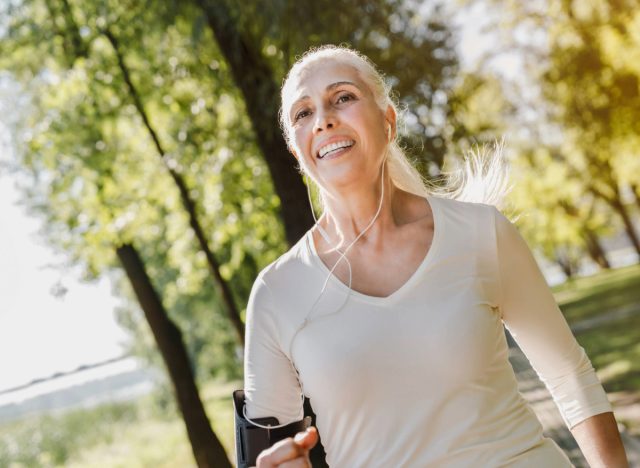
333 150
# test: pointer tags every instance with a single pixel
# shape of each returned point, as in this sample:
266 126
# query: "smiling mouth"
334 148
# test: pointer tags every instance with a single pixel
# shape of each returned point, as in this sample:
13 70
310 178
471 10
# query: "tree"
188 202
589 93
207 449
85 201
254 77
598 95
554 213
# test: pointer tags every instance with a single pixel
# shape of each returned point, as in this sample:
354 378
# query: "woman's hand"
290 452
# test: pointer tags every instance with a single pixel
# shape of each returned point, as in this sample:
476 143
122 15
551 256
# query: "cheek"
301 144
301 140
368 123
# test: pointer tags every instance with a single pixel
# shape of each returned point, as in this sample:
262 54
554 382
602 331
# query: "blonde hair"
482 176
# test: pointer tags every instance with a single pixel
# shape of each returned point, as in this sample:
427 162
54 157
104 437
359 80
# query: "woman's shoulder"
462 211
287 267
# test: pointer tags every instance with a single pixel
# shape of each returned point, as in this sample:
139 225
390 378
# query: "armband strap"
250 440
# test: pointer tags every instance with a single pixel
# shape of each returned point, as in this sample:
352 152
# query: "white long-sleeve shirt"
420 378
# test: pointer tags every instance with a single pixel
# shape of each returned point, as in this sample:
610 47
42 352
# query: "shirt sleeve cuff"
580 397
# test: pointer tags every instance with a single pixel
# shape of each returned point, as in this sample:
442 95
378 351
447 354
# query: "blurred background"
144 183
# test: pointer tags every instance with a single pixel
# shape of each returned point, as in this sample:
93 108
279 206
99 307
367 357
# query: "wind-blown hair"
482 176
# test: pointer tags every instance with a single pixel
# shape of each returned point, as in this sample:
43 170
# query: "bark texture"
254 77
206 447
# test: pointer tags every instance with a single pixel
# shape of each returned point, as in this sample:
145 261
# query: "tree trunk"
628 224
616 203
565 263
595 249
614 199
207 449
254 77
189 204
635 189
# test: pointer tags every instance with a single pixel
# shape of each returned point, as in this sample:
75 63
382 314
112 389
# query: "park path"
534 391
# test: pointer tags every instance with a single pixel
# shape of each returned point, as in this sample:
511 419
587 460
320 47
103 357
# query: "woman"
389 313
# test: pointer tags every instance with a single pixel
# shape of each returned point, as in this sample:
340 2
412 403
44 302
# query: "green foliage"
595 87
577 105
595 94
588 41
479 112
553 210
97 178
50 440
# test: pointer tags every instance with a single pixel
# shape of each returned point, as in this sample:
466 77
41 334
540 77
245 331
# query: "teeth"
334 146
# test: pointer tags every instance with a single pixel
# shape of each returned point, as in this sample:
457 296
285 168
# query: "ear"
390 119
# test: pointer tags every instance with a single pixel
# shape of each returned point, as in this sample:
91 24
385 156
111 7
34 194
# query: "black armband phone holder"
251 440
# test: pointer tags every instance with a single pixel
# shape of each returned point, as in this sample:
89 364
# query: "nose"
325 120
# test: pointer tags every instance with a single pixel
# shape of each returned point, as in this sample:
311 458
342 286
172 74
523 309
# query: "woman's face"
338 132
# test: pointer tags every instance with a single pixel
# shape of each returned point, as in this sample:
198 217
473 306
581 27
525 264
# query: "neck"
348 212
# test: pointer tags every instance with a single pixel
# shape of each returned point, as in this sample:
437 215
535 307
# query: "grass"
613 347
136 434
219 407
51 440
615 350
582 298
147 442
163 442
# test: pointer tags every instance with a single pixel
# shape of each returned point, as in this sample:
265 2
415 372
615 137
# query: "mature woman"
389 312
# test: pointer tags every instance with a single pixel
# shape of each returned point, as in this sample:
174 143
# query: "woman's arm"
270 384
600 442
531 314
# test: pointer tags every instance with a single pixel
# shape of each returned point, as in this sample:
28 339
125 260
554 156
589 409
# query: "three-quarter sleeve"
270 384
530 313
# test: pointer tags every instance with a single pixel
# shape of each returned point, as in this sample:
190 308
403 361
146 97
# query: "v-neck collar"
438 224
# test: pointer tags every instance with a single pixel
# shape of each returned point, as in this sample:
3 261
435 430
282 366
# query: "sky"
41 334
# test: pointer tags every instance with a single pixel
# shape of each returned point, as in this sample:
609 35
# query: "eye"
344 98
303 113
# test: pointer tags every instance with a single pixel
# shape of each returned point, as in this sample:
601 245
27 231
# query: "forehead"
315 78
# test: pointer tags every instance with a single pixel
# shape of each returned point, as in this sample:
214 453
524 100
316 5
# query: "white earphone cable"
306 320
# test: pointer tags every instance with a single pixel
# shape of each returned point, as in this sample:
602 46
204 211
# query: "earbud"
389 133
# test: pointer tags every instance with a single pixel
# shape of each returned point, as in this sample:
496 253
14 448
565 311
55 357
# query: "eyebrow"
328 88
